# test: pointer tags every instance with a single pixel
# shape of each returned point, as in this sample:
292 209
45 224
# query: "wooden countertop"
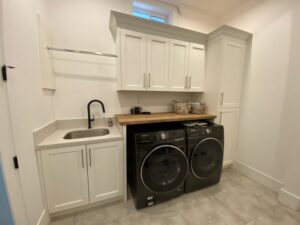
127 119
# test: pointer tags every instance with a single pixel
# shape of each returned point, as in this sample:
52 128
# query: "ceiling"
217 7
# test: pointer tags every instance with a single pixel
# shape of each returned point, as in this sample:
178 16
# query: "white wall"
258 15
290 141
30 107
264 86
83 24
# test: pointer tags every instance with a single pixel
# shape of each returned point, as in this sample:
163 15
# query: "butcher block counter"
128 119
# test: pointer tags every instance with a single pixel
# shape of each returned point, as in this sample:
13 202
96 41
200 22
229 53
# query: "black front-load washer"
205 154
156 162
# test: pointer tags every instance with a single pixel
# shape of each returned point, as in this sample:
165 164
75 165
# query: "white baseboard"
289 199
258 176
86 207
44 219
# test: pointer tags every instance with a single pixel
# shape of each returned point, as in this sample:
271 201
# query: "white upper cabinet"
133 60
105 170
178 72
196 71
65 177
232 73
156 63
158 50
226 58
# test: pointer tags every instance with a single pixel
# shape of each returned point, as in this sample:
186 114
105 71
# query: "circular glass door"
164 169
207 157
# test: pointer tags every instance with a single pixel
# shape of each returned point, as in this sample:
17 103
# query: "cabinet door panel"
105 170
158 51
229 118
133 60
179 52
232 73
197 67
65 176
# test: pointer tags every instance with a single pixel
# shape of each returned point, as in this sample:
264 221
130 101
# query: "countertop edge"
164 120
80 142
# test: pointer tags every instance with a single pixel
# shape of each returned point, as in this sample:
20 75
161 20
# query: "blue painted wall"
5 213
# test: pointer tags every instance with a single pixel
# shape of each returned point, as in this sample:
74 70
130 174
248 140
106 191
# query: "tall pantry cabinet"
226 62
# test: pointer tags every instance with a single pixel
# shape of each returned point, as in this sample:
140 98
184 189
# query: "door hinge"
16 163
4 71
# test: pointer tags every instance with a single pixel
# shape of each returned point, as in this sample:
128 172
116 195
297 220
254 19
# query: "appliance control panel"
208 130
163 135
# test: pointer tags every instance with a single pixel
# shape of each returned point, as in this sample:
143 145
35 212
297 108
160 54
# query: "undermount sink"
86 133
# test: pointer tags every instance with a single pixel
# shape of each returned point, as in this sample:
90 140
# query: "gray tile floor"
236 200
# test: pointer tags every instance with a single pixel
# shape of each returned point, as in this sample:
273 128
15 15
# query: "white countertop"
53 135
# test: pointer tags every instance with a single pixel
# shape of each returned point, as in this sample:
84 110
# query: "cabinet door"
65 176
196 68
158 51
178 71
133 60
105 170
228 117
232 73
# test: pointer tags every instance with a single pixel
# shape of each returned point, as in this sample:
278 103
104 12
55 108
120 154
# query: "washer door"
164 169
206 157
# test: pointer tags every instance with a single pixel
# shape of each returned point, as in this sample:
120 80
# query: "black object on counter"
136 110
146 113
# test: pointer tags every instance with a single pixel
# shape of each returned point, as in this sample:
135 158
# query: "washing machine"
205 150
157 163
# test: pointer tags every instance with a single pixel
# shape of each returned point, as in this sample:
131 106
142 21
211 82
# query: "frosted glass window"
158 19
149 15
141 15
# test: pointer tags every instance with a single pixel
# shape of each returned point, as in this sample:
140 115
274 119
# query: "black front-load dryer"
157 164
205 154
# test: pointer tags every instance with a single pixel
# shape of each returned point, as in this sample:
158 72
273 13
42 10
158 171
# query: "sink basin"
86 133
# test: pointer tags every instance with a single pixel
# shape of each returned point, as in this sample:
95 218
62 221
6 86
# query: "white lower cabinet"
79 175
228 117
105 170
65 177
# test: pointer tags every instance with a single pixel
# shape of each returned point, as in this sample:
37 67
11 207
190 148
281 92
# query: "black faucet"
89 111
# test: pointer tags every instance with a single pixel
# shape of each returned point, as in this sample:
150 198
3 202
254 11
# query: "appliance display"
205 154
157 163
